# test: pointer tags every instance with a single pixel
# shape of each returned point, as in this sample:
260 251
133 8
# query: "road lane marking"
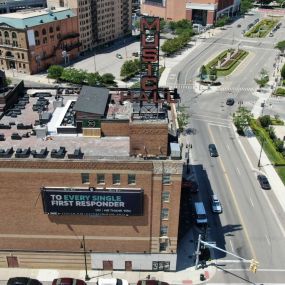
235 202
238 171
274 214
251 202
232 247
268 241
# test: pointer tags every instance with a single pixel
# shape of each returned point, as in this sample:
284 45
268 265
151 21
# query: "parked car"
119 56
112 281
213 150
263 181
216 204
23 281
68 281
230 101
151 282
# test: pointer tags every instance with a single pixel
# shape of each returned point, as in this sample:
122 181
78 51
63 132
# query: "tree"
130 68
213 74
263 78
283 71
242 119
281 46
279 144
265 121
108 79
94 79
245 5
222 21
162 24
55 71
182 119
76 76
203 72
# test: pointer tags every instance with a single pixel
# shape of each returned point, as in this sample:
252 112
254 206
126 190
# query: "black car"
263 181
213 150
230 101
23 281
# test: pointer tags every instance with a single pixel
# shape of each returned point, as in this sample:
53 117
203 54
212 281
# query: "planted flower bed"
226 62
262 28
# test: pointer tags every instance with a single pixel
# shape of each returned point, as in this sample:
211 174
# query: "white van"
200 214
112 281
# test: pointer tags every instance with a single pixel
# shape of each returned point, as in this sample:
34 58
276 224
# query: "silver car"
216 204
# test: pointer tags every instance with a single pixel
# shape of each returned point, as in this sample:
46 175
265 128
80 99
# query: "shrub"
280 91
265 121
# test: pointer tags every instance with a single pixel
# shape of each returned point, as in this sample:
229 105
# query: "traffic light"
253 265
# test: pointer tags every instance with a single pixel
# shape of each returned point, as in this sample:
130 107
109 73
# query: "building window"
100 178
6 34
23 56
58 36
116 178
131 179
44 31
85 178
51 30
20 65
45 40
52 37
38 42
18 55
24 65
14 35
166 178
58 28
165 196
163 246
36 34
163 231
164 214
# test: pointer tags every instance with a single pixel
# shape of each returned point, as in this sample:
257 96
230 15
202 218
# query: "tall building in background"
100 22
203 12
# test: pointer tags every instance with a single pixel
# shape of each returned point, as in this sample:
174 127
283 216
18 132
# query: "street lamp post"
87 278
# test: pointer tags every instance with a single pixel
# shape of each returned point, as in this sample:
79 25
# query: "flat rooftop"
92 147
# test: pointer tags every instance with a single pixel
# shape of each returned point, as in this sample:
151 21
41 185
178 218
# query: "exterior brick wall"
26 227
210 17
148 139
111 128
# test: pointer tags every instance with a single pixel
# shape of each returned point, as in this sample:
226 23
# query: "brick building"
32 40
124 158
100 22
203 12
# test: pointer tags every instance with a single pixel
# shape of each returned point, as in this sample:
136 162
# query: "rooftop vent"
68 16
55 18
41 21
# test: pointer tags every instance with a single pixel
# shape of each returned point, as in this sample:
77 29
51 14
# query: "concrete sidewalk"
187 276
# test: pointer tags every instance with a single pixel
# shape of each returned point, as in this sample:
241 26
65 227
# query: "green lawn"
281 173
261 29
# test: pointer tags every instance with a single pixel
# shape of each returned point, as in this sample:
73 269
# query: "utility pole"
87 278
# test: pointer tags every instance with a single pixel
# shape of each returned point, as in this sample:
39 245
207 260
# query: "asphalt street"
251 223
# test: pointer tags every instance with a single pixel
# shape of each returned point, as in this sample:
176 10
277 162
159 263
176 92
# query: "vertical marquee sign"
150 27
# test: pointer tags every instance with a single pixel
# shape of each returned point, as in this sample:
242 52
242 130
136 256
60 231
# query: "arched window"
14 35
0 34
36 34
44 32
6 34
50 30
